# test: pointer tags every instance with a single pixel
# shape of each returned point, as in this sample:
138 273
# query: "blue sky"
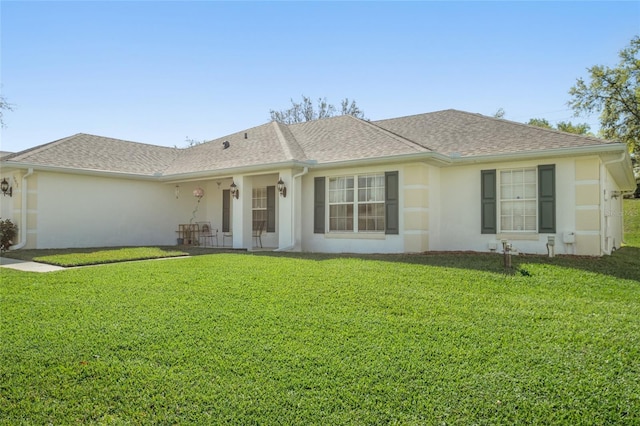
159 72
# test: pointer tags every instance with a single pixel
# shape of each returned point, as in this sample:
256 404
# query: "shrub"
8 232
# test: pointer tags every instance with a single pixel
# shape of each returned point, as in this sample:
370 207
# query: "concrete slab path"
26 266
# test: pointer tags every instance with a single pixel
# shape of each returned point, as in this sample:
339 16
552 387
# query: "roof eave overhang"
13 165
428 157
600 150
231 171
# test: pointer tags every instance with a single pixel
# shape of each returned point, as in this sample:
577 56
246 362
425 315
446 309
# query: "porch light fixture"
235 192
281 188
6 188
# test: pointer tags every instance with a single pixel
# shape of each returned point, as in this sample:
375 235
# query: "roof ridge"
282 140
409 142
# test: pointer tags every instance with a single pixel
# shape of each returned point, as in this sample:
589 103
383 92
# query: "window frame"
502 201
351 194
262 209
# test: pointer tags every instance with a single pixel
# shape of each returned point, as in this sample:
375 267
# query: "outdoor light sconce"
281 188
235 192
6 188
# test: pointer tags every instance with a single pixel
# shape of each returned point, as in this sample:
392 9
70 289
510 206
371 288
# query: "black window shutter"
271 209
318 205
226 210
547 199
488 203
391 201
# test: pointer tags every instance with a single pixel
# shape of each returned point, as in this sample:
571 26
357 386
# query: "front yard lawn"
95 257
264 339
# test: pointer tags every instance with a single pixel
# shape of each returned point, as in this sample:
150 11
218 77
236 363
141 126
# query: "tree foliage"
306 111
500 113
4 106
615 94
563 126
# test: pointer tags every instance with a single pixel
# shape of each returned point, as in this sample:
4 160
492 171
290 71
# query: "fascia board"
616 148
77 171
432 157
227 172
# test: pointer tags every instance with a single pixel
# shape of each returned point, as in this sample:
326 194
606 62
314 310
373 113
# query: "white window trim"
355 203
500 201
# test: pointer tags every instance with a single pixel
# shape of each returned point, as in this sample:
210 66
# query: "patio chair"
258 228
206 234
226 235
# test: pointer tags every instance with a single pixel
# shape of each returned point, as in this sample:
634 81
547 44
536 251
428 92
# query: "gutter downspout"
605 239
293 210
23 213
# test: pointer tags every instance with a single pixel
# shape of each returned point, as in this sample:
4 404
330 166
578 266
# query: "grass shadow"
623 263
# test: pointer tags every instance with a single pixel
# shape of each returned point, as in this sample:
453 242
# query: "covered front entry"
245 211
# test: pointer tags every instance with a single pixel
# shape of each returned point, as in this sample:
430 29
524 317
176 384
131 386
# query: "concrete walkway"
23 265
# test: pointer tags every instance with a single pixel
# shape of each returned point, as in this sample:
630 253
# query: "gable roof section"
97 153
453 132
346 138
262 145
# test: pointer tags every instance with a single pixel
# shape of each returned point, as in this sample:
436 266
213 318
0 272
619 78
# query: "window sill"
356 235
531 236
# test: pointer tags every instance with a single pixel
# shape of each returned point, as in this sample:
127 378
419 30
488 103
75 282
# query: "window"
518 200
524 200
364 213
259 206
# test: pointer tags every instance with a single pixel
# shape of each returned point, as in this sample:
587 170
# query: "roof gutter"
76 171
564 152
628 178
437 158
23 213
247 170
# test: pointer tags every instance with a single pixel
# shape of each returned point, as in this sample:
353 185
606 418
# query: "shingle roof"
346 138
457 132
343 138
90 152
261 146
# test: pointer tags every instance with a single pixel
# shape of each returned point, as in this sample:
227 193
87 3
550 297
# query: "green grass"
275 339
632 222
94 257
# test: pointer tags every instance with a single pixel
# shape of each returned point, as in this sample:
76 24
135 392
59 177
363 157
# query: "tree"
615 93
500 113
4 106
540 122
578 129
569 127
306 111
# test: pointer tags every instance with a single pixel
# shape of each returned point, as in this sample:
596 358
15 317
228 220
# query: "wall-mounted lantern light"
6 188
281 188
235 192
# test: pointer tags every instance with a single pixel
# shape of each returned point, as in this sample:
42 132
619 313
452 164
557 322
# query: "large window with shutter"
357 203
518 200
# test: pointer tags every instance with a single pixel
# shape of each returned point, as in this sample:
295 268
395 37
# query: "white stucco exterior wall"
460 209
90 211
